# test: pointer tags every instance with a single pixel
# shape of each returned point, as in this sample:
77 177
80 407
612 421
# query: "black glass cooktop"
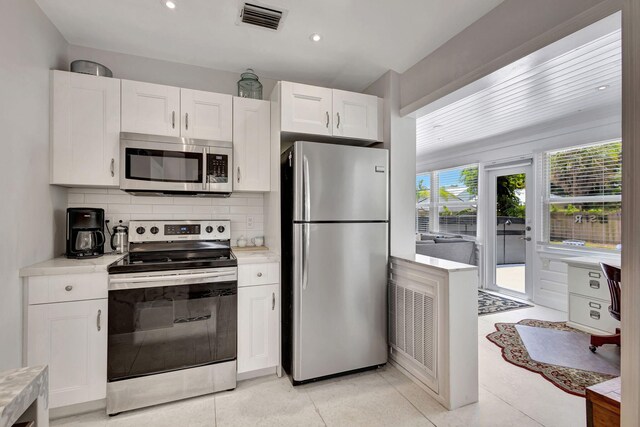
173 260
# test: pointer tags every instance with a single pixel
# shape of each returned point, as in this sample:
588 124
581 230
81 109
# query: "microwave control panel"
217 168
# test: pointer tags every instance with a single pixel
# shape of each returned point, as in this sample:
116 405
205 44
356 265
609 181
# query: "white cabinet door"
150 108
85 129
355 115
70 337
206 115
258 308
306 109
251 144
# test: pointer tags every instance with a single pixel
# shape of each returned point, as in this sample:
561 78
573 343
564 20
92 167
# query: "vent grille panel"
260 16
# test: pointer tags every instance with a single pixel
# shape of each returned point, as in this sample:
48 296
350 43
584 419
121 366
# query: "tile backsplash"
245 210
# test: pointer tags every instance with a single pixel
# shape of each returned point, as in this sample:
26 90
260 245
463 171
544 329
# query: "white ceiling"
559 82
362 39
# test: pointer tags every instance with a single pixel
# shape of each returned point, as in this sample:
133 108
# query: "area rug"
571 380
491 304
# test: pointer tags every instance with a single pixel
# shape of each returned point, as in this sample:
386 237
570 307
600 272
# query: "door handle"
186 121
273 301
327 120
173 119
98 320
528 239
338 124
113 167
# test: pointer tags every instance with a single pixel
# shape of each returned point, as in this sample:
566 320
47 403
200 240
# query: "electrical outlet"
250 222
114 219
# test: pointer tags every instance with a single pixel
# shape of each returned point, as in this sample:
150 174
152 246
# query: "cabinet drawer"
588 282
72 287
258 274
592 313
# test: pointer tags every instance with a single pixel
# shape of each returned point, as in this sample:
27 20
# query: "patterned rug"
571 380
490 304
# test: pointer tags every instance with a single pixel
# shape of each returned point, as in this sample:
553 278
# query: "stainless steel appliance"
172 314
335 255
162 165
120 238
85 238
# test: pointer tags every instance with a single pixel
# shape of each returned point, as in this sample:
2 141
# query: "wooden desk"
603 404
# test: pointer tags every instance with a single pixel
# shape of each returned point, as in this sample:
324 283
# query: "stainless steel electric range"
172 314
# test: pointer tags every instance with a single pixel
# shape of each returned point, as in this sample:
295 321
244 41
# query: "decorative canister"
249 86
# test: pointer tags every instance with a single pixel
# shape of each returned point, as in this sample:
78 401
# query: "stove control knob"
221 229
140 230
154 230
209 229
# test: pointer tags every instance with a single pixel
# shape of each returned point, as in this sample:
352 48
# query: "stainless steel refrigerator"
335 253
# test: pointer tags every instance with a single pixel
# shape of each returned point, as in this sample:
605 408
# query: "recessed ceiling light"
439 139
603 87
315 37
170 4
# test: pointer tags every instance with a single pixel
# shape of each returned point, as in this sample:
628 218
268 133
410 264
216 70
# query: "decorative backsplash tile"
245 210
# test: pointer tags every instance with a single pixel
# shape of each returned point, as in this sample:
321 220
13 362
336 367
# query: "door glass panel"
510 243
163 165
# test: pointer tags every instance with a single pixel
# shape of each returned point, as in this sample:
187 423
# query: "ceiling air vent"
261 16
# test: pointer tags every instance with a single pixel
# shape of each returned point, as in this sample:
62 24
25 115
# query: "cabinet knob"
68 288
259 274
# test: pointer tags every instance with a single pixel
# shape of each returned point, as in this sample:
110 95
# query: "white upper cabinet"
85 129
306 109
251 144
206 115
355 115
329 112
150 108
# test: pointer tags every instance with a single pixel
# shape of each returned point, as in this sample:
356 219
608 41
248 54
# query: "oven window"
161 329
163 165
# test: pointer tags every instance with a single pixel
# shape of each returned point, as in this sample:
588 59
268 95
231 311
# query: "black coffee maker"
85 236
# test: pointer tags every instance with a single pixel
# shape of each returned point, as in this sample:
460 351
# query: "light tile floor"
511 277
509 396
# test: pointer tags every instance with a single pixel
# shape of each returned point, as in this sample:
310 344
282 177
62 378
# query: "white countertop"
250 255
440 264
593 261
63 265
18 389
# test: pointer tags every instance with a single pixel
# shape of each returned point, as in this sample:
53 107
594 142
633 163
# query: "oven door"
166 321
159 166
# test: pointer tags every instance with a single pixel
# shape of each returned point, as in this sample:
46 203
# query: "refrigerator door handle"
305 189
305 256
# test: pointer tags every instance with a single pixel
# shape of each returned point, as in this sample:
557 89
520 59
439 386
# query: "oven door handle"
183 279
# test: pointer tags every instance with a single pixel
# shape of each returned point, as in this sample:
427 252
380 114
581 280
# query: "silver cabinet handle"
594 314
173 119
238 173
594 284
594 274
273 301
113 167
259 274
68 288
186 121
98 320
595 305
327 120
338 124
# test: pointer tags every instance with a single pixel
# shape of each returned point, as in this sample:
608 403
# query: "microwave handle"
205 172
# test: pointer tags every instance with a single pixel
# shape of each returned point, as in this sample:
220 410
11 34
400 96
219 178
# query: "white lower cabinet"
70 337
258 327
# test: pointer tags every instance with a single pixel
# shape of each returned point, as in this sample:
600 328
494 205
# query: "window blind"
583 196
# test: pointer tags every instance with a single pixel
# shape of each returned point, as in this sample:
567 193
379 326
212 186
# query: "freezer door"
339 298
340 183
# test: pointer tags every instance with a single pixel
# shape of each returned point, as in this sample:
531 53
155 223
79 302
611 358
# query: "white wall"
400 139
133 67
32 215
245 210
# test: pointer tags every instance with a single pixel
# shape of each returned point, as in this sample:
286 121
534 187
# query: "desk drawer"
588 282
71 287
592 313
258 274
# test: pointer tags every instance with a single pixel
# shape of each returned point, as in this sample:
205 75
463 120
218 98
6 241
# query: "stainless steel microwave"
164 165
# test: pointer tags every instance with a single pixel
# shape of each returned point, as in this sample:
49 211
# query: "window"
583 196
452 208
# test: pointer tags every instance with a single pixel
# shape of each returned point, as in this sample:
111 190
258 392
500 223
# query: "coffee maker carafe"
85 238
